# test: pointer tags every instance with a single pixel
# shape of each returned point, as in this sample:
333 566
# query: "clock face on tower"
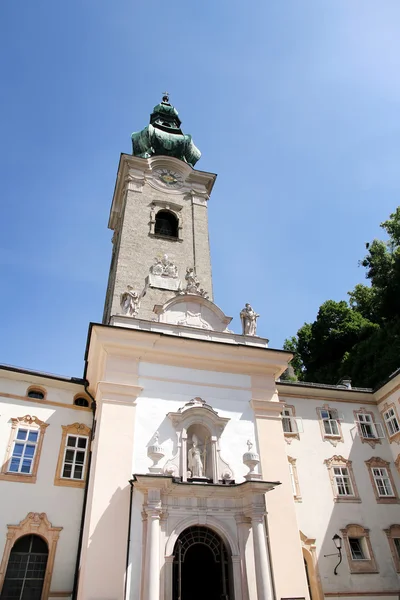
169 178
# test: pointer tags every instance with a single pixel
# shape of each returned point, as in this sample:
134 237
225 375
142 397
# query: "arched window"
35 393
81 402
166 224
26 569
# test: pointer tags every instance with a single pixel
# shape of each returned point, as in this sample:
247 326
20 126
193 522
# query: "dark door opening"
200 566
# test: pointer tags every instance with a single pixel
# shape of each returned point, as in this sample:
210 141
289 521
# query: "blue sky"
294 104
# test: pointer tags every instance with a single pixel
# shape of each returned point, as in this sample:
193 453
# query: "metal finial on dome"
165 97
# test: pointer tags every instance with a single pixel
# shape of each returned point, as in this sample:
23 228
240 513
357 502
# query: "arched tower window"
26 569
166 224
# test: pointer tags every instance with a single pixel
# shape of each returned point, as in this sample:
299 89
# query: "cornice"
178 351
139 172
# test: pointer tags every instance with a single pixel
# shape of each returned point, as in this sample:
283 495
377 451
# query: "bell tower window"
166 224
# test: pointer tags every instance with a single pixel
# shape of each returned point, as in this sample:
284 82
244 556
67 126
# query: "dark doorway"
26 569
200 566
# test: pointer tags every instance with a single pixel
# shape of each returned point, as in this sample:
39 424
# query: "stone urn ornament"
156 453
251 459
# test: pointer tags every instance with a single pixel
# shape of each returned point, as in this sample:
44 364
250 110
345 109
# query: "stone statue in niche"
164 267
249 320
130 302
195 462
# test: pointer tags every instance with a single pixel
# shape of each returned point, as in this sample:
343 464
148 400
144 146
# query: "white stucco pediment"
193 311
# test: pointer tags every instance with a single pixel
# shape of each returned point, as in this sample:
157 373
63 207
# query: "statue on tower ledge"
249 320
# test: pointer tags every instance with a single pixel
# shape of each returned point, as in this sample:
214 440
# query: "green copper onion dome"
164 137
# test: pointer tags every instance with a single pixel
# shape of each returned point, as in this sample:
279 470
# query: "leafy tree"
360 338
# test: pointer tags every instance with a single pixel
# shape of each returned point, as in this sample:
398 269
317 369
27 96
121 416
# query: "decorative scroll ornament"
156 453
251 459
193 284
130 301
163 267
249 320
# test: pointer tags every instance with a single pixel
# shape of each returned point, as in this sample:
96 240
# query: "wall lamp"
337 540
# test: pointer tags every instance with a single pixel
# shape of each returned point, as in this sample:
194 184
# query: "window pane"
82 442
21 434
33 436
356 549
69 456
327 427
397 545
67 471
26 465
71 441
80 458
18 450
325 414
78 472
29 451
334 427
14 465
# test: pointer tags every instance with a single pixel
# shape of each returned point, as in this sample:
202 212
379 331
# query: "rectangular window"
288 422
292 479
356 549
342 480
391 421
368 429
24 450
75 457
382 482
396 542
329 420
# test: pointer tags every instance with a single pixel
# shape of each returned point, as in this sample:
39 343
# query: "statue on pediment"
249 320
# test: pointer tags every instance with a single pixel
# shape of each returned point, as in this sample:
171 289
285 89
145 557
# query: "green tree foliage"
361 338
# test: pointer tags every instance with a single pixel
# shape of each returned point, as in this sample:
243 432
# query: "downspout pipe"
128 543
85 495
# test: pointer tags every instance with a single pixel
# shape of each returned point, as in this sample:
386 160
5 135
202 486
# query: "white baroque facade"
180 466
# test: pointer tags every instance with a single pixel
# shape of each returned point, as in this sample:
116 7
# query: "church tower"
159 218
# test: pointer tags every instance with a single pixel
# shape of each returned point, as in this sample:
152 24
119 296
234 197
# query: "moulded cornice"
198 180
118 393
167 485
179 351
267 409
324 394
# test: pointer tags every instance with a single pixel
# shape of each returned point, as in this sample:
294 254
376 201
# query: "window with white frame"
391 421
342 481
294 480
288 423
382 482
357 548
369 429
75 457
330 422
24 449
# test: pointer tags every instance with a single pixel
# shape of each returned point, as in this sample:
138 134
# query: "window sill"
387 500
165 237
18 477
346 500
74 483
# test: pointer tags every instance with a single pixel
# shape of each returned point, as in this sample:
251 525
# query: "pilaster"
102 573
283 533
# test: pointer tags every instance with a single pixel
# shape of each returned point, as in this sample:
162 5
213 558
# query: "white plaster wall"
62 505
320 518
166 389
